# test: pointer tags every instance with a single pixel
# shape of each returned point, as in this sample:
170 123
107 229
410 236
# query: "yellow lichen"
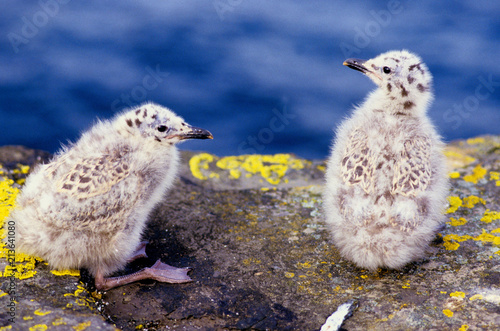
305 265
456 237
67 272
474 141
471 201
271 167
21 169
451 246
448 312
477 173
59 321
198 162
39 312
464 327
24 264
82 326
454 174
251 260
476 297
455 203
39 327
494 175
483 237
289 274
458 158
457 294
455 222
488 237
490 216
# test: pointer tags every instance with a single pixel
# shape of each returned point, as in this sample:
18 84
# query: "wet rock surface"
251 228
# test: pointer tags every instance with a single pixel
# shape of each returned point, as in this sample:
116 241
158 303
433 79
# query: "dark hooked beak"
356 64
193 132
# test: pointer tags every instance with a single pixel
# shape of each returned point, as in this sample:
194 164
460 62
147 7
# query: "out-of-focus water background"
262 76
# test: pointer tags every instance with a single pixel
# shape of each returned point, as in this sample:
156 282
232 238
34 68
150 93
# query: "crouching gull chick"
386 182
88 207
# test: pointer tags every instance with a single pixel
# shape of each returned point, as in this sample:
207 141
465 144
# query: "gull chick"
88 207
386 182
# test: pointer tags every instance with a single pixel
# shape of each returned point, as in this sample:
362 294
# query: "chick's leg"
161 272
140 252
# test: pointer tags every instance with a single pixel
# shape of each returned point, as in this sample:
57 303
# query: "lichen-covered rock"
251 228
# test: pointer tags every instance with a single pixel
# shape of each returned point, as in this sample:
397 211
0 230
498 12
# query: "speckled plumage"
385 182
88 207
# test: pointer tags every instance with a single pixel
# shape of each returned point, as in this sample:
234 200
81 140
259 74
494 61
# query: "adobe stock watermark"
31 26
11 305
224 6
255 144
139 93
470 104
372 29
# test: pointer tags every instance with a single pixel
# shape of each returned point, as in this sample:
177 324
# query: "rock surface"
251 228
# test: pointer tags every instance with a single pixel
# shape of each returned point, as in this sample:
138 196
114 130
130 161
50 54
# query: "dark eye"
387 70
162 128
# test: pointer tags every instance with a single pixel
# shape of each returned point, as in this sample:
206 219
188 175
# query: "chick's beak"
193 132
356 64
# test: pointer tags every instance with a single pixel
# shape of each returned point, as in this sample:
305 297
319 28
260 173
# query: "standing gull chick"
385 179
88 207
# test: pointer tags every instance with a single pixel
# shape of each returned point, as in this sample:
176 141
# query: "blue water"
262 76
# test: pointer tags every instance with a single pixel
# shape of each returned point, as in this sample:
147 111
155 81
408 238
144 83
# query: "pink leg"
140 252
161 272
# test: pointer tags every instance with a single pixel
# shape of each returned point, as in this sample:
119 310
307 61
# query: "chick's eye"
387 70
162 128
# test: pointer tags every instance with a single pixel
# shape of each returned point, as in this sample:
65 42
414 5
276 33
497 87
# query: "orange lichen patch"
455 203
456 222
471 201
490 216
477 173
